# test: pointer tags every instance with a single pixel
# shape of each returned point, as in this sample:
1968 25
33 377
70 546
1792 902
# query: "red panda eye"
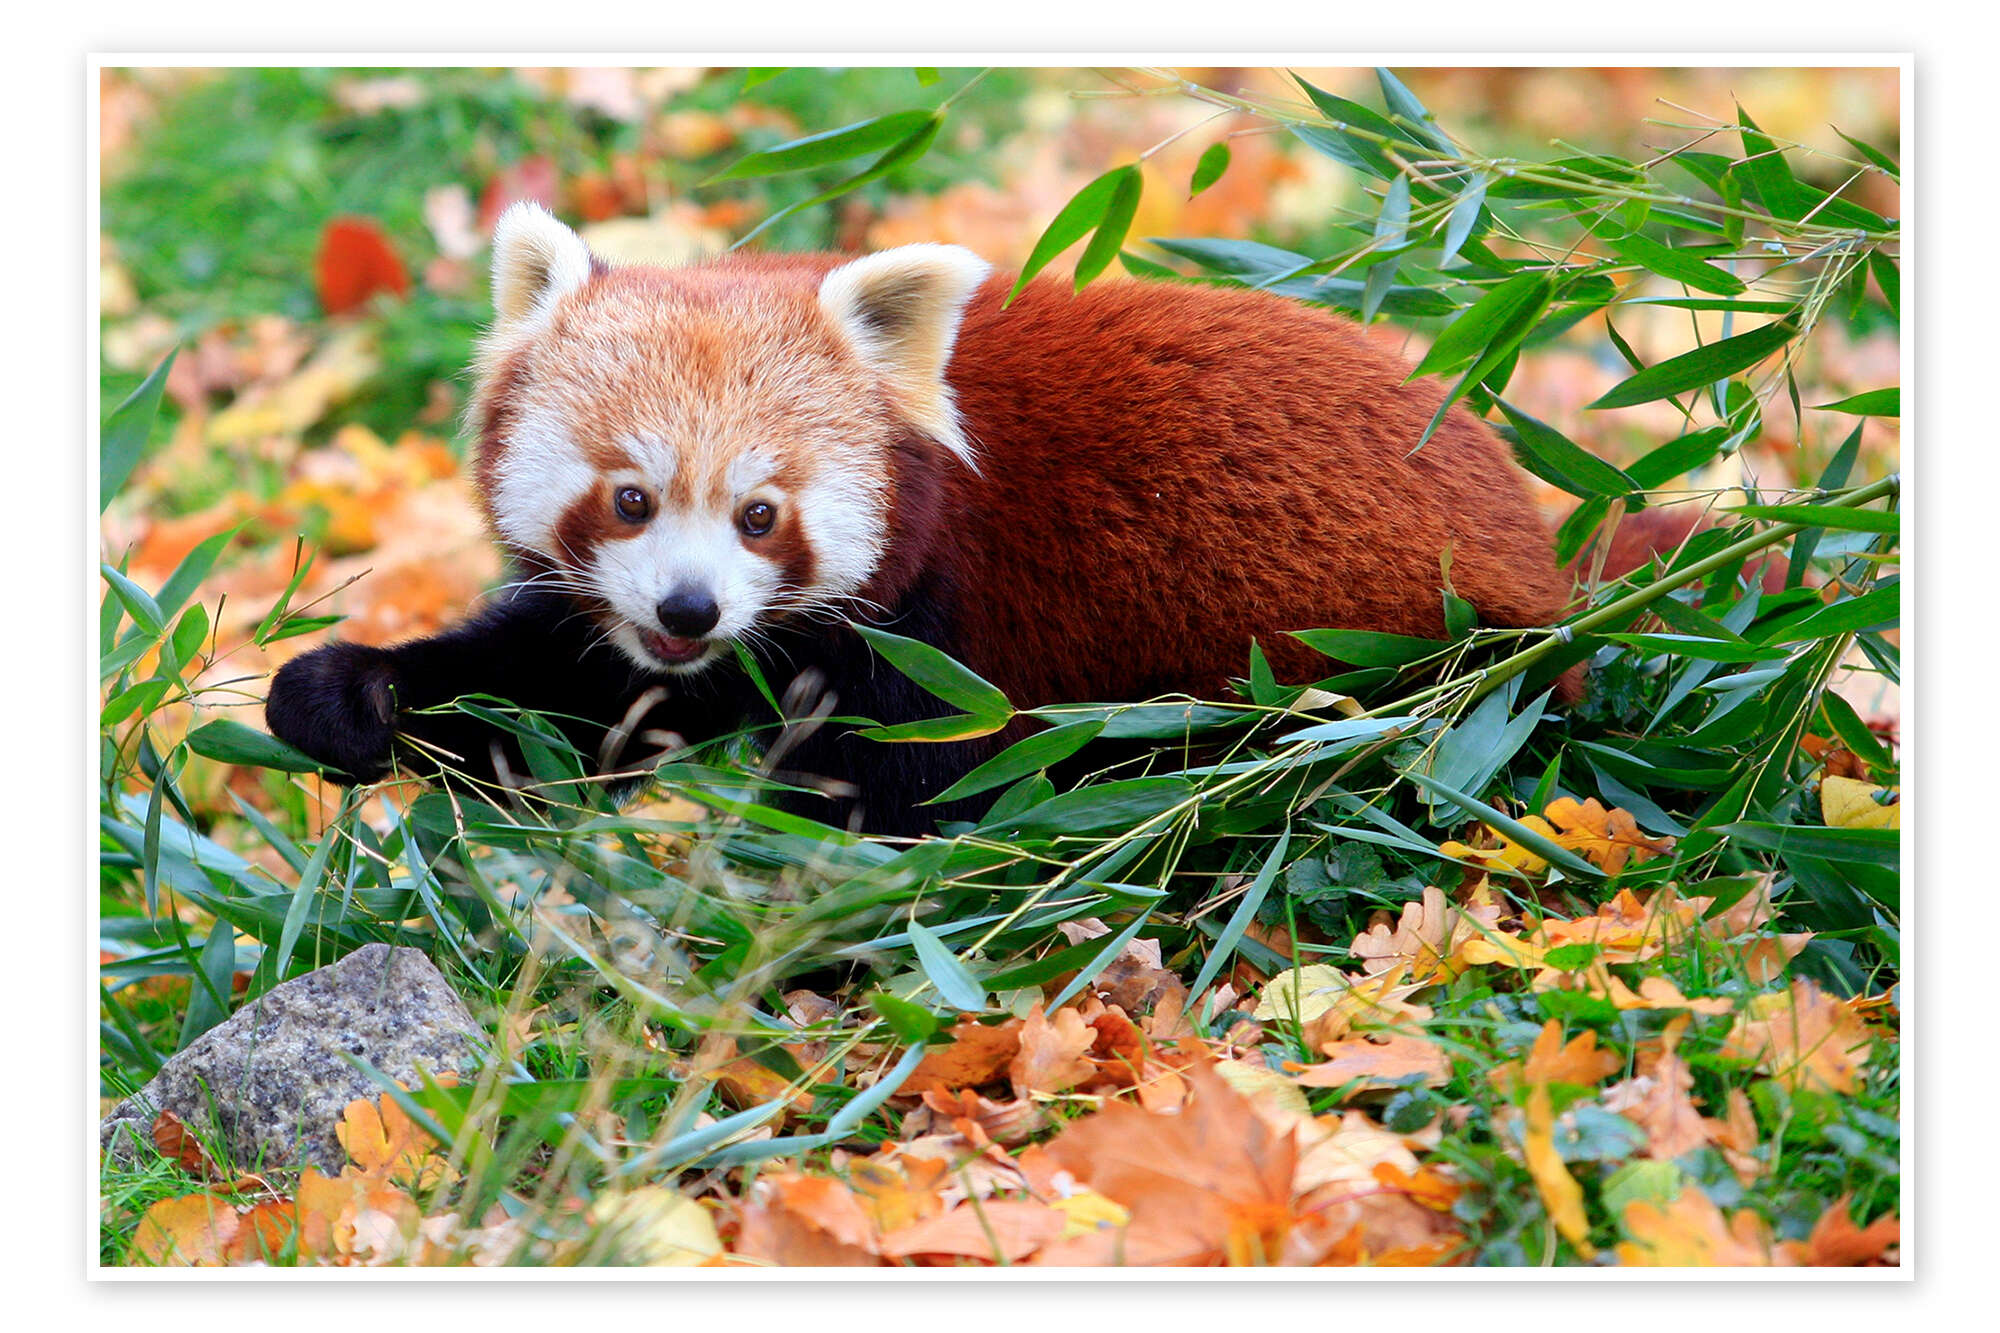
758 518
632 504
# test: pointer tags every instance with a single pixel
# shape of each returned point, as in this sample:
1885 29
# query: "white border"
45 81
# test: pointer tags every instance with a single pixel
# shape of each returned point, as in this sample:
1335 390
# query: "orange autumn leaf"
178 1144
813 1221
1804 1038
1496 850
1378 1062
1054 1054
996 1230
1550 1060
897 1192
1691 1232
1836 1242
1560 1193
976 1055
355 1217
382 1140
191 1231
1608 838
265 1233
354 264
1428 1186
1428 938
1209 1184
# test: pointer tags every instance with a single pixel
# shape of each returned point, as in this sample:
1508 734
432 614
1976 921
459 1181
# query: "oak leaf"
1804 1038
1551 1060
1658 1102
998 1230
191 1231
1382 1061
382 1140
1836 1242
1691 1232
1054 1053
797 1220
976 1055
1609 838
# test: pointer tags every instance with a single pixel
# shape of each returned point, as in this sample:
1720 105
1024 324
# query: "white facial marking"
541 473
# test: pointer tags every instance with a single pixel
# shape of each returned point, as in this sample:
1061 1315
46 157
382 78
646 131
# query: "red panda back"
1167 472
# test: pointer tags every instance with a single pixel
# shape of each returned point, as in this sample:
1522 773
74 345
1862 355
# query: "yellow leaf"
1087 1211
658 1228
189 1231
1847 803
1559 1190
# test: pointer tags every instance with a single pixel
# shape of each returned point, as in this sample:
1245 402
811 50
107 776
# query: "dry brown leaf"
1054 1053
897 1191
1609 839
382 1140
797 1220
1658 1101
1210 1184
976 1055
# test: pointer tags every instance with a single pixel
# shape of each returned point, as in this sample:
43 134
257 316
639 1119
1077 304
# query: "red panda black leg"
356 708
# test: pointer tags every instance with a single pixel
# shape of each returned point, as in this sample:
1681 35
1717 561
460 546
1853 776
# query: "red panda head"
698 453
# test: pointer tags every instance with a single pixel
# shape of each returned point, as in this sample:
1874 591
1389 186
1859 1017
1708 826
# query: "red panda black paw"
338 705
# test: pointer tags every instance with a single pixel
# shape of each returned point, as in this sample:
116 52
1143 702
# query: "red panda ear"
536 259
900 309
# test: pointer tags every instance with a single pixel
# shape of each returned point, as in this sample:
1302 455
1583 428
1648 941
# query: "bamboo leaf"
1701 367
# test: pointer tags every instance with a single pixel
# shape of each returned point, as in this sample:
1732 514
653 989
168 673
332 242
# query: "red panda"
1093 496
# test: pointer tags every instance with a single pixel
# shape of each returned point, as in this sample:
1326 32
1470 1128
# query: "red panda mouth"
671 650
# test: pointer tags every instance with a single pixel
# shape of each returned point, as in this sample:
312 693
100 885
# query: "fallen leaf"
1053 1055
382 1140
1690 1233
191 1231
976 1055
355 264
1847 803
806 1221
1210 1184
999 1231
1803 1037
1836 1242
1658 1102
1560 1193
1608 838
656 1227
1550 1060
896 1192
1379 1062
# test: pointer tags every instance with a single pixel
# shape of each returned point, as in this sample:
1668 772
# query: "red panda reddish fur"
1270 486
1138 481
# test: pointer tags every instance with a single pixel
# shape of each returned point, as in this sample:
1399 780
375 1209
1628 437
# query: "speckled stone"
273 1075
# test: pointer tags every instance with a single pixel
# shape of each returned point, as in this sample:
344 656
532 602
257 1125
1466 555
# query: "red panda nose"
688 613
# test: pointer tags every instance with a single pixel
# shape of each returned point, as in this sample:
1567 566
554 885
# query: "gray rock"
272 1080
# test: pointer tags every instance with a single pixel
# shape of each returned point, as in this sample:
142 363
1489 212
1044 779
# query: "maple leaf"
1053 1055
1847 803
1560 1193
1210 1184
1550 1060
191 1231
1609 838
1836 1242
1691 1232
1803 1037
